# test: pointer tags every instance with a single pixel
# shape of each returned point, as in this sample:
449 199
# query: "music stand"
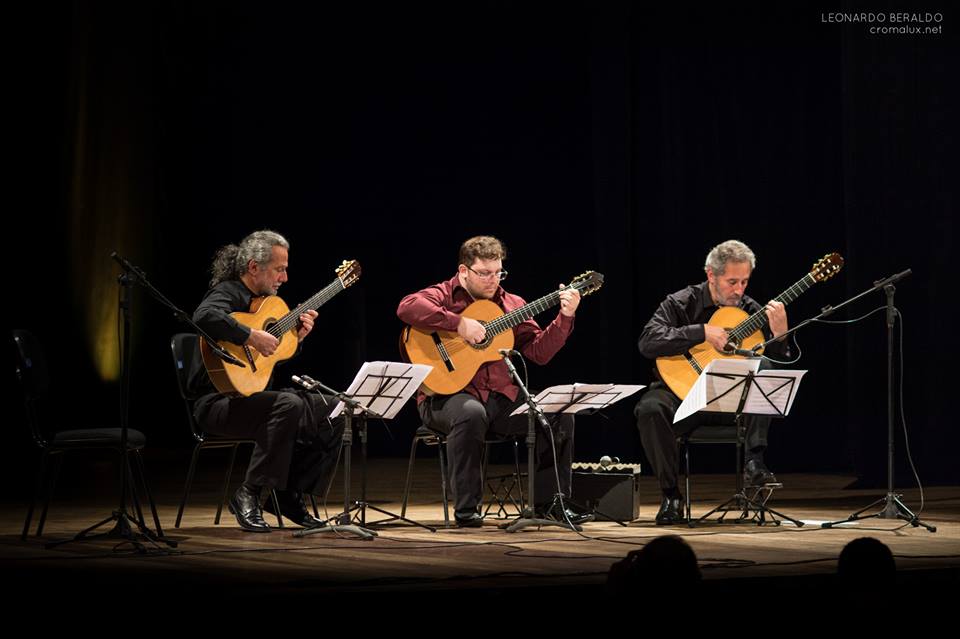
379 390
738 387
559 399
582 399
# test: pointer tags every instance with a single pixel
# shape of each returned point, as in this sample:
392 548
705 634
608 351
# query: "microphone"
732 349
507 352
606 461
304 380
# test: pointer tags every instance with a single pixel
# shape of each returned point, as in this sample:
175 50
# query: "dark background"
599 136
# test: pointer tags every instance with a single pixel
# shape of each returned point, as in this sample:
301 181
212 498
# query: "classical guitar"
679 372
455 361
270 314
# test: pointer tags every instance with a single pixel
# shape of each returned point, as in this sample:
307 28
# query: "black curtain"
598 136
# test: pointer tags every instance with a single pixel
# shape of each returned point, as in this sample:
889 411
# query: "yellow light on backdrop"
111 198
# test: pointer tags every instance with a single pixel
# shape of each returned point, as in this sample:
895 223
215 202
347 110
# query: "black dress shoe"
671 511
293 508
564 515
245 504
468 520
756 474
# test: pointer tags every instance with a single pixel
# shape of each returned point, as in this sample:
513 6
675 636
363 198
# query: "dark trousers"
467 422
295 445
658 433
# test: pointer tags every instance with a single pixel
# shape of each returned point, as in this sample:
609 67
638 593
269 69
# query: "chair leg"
483 474
313 502
276 508
226 484
186 489
443 483
41 476
51 484
686 479
146 488
409 481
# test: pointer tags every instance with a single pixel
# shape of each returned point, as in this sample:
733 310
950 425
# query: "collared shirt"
677 324
438 307
213 316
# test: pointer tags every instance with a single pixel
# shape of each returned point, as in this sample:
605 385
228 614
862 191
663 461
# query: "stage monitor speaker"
611 490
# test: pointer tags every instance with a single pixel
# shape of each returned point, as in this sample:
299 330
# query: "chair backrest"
34 378
185 351
32 368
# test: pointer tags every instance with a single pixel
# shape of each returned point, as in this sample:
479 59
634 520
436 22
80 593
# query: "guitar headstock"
826 267
588 282
348 272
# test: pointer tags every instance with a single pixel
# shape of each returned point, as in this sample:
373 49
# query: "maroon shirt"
438 307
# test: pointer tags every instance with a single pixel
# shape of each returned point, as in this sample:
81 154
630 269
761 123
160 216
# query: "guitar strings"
758 320
289 320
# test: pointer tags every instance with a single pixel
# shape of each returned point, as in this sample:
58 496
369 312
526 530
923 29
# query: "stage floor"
405 560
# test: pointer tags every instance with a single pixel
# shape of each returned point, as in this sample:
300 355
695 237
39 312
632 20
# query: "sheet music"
780 387
384 387
574 398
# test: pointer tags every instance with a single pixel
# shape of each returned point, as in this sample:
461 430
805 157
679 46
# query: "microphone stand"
893 508
124 526
141 278
535 414
824 312
344 520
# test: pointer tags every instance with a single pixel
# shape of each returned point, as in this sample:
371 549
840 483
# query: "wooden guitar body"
680 372
255 377
452 373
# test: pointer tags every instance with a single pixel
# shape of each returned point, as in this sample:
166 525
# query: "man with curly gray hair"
679 324
295 445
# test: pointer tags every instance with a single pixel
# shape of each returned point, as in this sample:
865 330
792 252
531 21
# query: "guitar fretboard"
290 320
508 320
759 319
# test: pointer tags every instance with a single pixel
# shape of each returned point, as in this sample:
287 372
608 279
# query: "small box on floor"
610 489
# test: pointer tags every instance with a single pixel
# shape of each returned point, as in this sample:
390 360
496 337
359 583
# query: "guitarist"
679 324
487 401
295 447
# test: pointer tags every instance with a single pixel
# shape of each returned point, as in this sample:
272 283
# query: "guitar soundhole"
486 341
733 343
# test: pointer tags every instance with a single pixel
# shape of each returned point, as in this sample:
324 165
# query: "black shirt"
677 324
213 316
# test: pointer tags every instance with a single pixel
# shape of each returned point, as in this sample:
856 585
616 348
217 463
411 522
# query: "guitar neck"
517 316
290 320
759 319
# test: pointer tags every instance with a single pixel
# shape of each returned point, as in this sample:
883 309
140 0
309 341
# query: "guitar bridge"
253 364
693 362
444 355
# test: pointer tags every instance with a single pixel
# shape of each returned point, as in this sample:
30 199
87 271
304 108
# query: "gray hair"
230 262
729 251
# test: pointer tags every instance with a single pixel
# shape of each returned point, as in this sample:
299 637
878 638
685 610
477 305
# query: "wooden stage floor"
409 562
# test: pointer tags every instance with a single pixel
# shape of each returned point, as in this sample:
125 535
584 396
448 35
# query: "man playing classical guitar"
679 324
295 445
488 399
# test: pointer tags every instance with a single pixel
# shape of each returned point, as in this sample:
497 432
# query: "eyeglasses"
485 275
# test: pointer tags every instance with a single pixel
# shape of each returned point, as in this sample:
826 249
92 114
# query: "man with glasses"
485 404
